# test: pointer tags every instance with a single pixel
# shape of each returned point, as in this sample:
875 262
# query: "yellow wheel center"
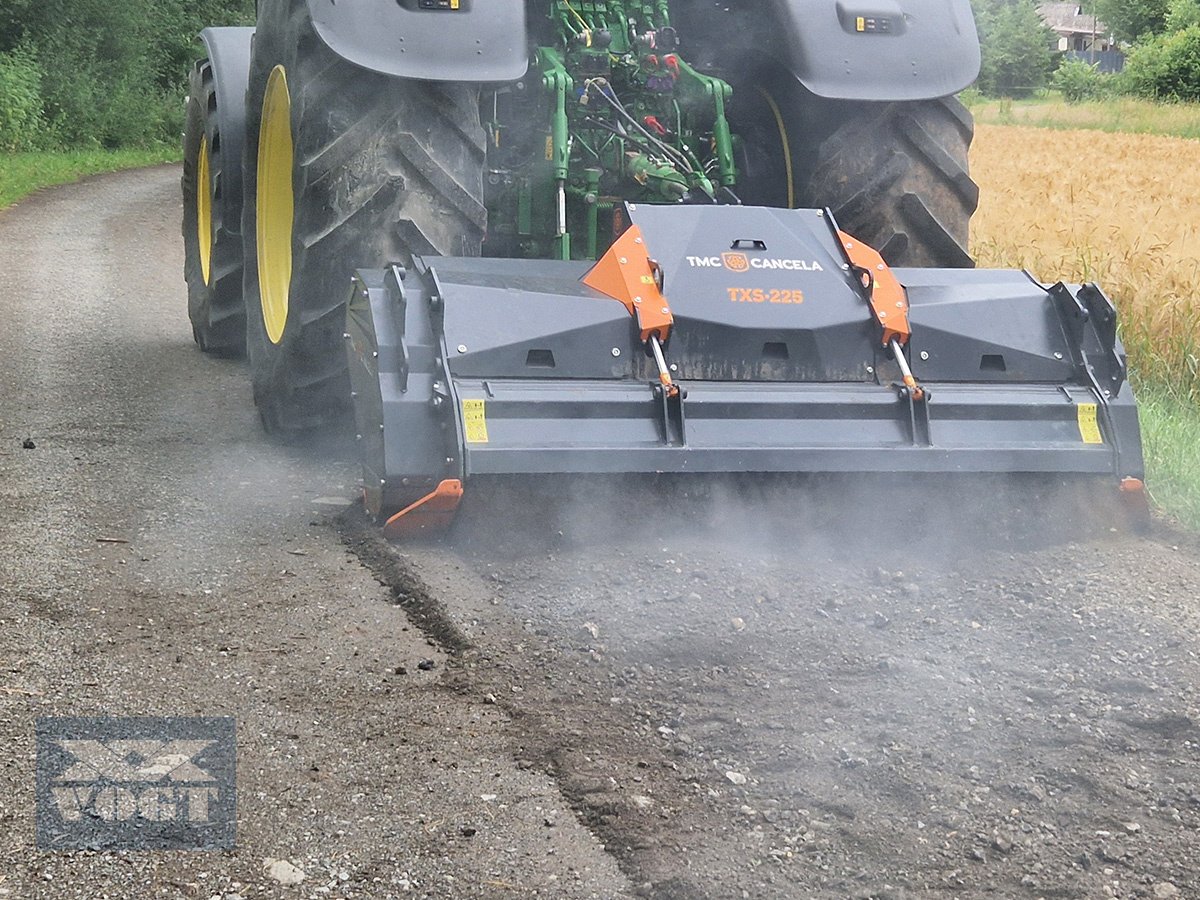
275 207
204 210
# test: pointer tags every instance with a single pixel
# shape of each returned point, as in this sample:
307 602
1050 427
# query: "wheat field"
1122 210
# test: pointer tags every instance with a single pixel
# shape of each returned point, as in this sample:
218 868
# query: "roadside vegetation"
1049 109
23 173
88 86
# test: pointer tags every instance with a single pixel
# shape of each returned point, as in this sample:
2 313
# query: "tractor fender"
884 50
229 55
434 40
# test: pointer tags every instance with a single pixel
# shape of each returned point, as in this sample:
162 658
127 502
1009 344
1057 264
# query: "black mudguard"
229 55
885 50
476 40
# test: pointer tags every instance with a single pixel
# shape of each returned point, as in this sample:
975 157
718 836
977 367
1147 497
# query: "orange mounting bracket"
1136 502
434 512
626 273
889 301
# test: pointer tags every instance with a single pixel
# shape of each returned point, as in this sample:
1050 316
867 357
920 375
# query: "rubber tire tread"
385 169
216 309
896 176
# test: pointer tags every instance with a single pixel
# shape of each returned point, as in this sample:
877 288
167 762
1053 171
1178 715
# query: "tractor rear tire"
382 169
212 252
896 177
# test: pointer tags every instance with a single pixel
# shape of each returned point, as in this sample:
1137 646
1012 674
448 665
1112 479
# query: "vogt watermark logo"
136 783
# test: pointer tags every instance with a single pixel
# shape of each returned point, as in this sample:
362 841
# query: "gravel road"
808 691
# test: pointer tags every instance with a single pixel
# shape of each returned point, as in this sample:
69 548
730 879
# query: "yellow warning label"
1089 428
475 421
549 148
861 23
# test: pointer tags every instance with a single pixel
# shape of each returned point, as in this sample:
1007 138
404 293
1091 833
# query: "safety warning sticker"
1089 428
475 421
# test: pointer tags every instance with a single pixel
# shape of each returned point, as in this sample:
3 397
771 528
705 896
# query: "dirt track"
707 701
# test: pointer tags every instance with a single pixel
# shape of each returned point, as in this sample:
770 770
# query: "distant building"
1082 36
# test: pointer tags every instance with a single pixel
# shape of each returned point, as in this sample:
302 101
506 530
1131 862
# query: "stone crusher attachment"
726 339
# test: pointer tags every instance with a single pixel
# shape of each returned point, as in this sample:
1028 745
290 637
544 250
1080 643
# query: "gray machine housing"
559 377
885 50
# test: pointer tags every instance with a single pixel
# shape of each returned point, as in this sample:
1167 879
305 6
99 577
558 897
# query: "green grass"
1171 440
23 173
1123 114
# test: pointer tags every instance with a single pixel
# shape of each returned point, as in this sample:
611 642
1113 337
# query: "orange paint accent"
1132 486
627 274
888 298
1135 502
433 512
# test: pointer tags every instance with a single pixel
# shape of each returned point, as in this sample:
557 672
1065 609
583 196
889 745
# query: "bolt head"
616 351
870 370
462 348
624 260
1058 356
924 354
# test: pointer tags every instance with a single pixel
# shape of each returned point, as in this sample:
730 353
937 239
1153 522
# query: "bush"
1080 81
1166 68
112 74
20 100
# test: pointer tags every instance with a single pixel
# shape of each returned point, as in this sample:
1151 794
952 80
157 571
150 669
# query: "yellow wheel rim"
275 204
204 210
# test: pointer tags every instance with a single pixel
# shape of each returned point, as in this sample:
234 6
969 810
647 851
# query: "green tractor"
408 212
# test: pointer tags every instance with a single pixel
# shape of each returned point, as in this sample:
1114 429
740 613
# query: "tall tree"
1016 43
1133 19
1182 14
